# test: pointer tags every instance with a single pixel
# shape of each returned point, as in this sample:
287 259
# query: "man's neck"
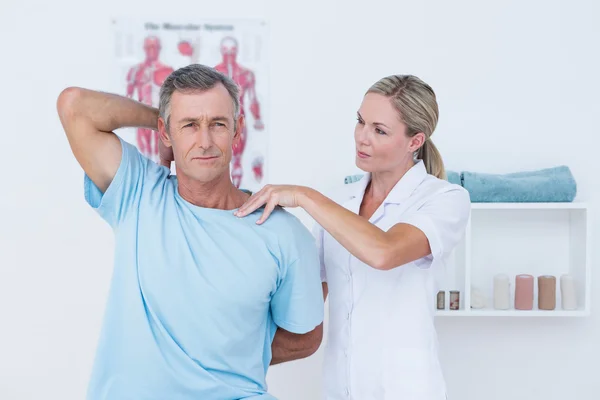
219 194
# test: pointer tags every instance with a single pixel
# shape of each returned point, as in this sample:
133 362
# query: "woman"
381 248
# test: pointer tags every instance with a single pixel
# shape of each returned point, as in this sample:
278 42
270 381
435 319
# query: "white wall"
511 76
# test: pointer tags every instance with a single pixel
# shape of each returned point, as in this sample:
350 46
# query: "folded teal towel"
453 177
548 185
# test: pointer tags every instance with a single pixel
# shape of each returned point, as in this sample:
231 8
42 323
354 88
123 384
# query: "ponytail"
432 159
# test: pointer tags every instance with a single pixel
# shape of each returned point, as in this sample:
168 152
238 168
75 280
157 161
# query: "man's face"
202 133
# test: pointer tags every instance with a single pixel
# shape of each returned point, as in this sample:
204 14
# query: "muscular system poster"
148 50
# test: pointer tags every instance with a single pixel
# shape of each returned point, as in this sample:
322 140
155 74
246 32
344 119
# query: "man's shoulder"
284 220
288 227
294 238
150 167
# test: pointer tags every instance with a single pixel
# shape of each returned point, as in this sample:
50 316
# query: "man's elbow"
310 343
313 344
289 346
67 101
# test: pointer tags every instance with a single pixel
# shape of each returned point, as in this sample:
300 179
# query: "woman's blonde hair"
415 101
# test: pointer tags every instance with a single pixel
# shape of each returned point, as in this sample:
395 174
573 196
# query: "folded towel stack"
453 177
550 185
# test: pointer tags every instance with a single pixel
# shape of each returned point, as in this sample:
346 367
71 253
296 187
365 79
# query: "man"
201 302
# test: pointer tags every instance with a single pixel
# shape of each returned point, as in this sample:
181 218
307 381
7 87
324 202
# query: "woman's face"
380 136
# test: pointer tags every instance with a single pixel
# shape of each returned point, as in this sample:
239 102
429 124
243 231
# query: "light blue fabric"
546 185
352 178
453 177
196 294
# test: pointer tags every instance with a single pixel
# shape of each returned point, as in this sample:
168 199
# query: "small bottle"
524 292
478 300
454 299
546 292
568 295
501 292
441 300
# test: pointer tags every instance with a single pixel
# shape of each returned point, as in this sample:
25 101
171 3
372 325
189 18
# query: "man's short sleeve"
297 305
443 219
124 192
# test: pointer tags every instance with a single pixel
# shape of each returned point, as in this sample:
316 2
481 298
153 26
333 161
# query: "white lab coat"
381 342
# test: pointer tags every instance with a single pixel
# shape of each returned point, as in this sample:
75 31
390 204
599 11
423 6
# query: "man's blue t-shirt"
197 293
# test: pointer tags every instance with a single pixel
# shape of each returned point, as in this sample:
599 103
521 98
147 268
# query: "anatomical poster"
148 50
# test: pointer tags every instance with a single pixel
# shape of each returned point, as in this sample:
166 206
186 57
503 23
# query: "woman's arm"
382 250
401 244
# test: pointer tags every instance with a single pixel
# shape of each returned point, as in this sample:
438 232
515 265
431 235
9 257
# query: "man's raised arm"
89 119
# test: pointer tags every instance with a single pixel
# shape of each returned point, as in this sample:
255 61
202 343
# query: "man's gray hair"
195 78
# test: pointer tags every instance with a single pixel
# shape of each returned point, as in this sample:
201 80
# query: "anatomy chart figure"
245 80
146 78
